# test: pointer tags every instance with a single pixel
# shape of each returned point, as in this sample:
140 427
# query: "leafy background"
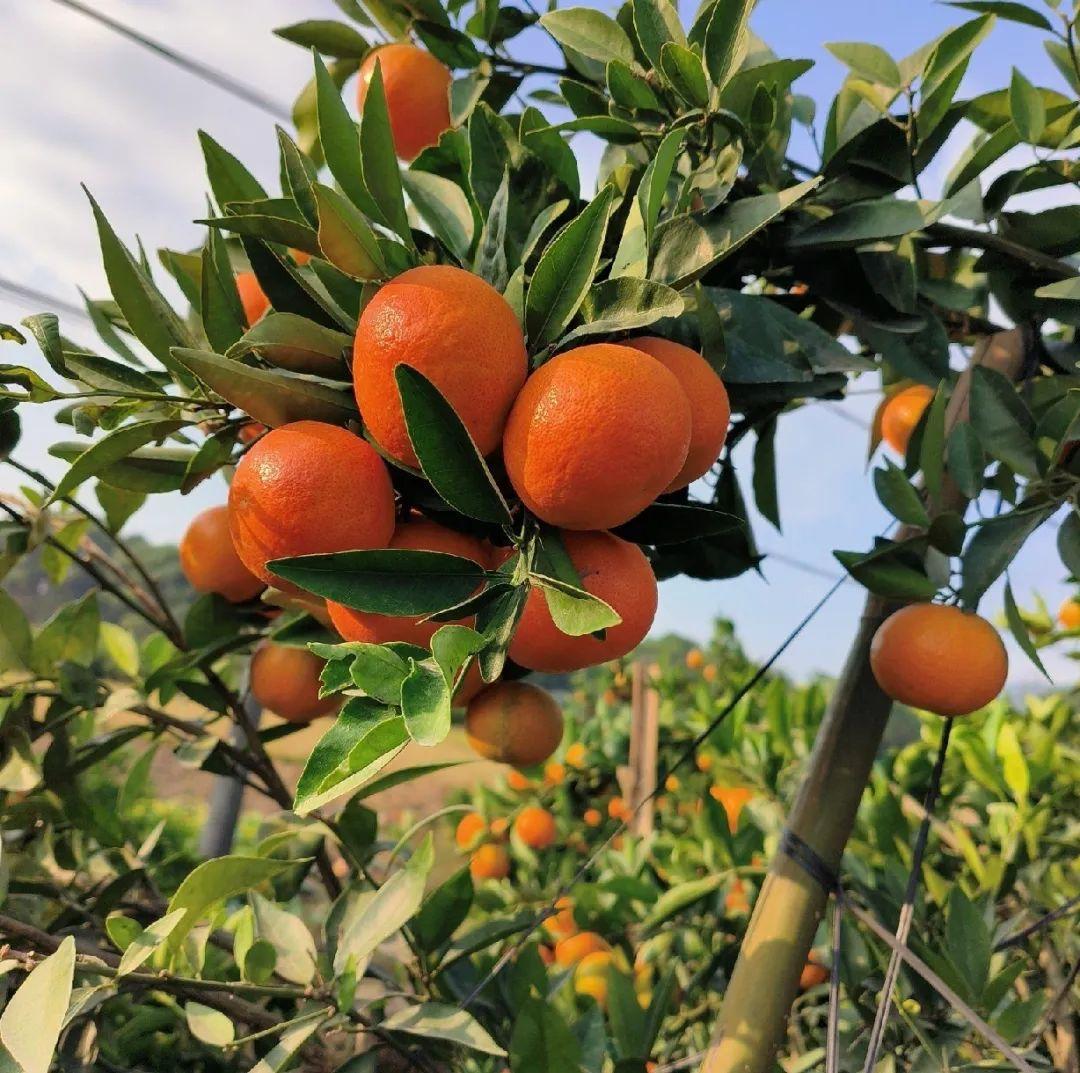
150 166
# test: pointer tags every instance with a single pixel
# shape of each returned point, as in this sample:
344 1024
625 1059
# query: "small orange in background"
736 901
554 773
209 560
517 781
672 784
591 975
490 861
514 723
618 809
1069 615
571 950
596 434
899 413
813 974
286 682
709 672
732 799
710 409
576 754
547 955
417 87
703 762
695 658
500 828
252 297
250 432
939 658
610 568
562 925
304 488
454 329
469 829
592 817
535 827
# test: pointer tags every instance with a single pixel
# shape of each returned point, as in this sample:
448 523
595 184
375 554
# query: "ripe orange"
517 781
710 409
694 659
703 762
416 534
554 773
499 828
1069 614
469 829
576 754
417 89
535 827
490 861
591 975
672 784
571 950
456 330
308 487
899 414
939 658
614 570
593 817
813 974
618 809
736 901
209 560
732 799
285 681
250 432
252 297
596 434
562 925
515 723
547 955
709 672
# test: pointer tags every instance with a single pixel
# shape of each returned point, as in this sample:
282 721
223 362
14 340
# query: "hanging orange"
900 413
515 723
209 561
286 682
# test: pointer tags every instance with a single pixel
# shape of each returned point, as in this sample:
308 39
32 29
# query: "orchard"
471 407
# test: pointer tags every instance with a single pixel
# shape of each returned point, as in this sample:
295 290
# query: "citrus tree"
463 404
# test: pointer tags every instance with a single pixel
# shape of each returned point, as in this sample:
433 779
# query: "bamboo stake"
753 1020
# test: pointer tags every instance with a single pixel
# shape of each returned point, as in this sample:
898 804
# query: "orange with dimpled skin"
900 413
286 682
597 433
514 723
209 561
454 329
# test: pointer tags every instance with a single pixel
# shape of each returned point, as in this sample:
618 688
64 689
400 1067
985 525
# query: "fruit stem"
753 1019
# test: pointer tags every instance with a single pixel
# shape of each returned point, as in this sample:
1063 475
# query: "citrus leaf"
590 33
434 1020
295 343
683 68
725 39
995 545
1022 635
289 936
345 238
868 61
31 1022
1003 423
327 36
147 941
624 304
382 177
675 523
209 1025
229 179
444 208
656 22
574 611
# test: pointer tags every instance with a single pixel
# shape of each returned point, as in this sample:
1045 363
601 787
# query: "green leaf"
345 238
674 523
453 47
952 49
16 638
898 496
966 461
886 573
292 290
682 67
229 179
1067 290
541 1041
995 545
967 941
385 582
589 32
984 153
387 912
403 775
297 174
686 247
208 1025
678 898
149 317
382 177
33 1017
656 22
1005 9
425 704
444 911
862 222
295 343
281 1054
328 36
1068 543
654 182
574 611
765 493
868 61
433 1020
444 208
365 737
565 271
1022 635
272 396
289 936
222 314
624 304
629 90
70 635
268 228
932 444
726 39
111 448
1027 108
1002 422
121 648
448 456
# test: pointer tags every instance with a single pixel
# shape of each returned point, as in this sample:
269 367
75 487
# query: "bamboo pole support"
753 1019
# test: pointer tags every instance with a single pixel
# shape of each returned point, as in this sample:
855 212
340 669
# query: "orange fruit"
562 925
710 408
591 975
469 829
694 659
813 974
618 809
516 781
672 784
554 773
593 817
547 955
209 561
499 828
286 682
732 799
898 415
736 901
939 658
576 754
416 533
250 432
308 487
709 672
571 950
596 434
1069 614
614 570
535 827
490 861
515 723
457 331
703 762
301 257
417 89
252 297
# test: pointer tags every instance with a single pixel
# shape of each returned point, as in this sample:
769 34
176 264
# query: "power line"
799 564
186 63
42 299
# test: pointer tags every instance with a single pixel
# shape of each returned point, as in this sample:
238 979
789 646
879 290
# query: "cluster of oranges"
533 826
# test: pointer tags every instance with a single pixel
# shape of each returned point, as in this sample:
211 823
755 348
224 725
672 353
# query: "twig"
1043 922
953 234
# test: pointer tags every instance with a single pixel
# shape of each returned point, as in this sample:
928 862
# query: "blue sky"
81 105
